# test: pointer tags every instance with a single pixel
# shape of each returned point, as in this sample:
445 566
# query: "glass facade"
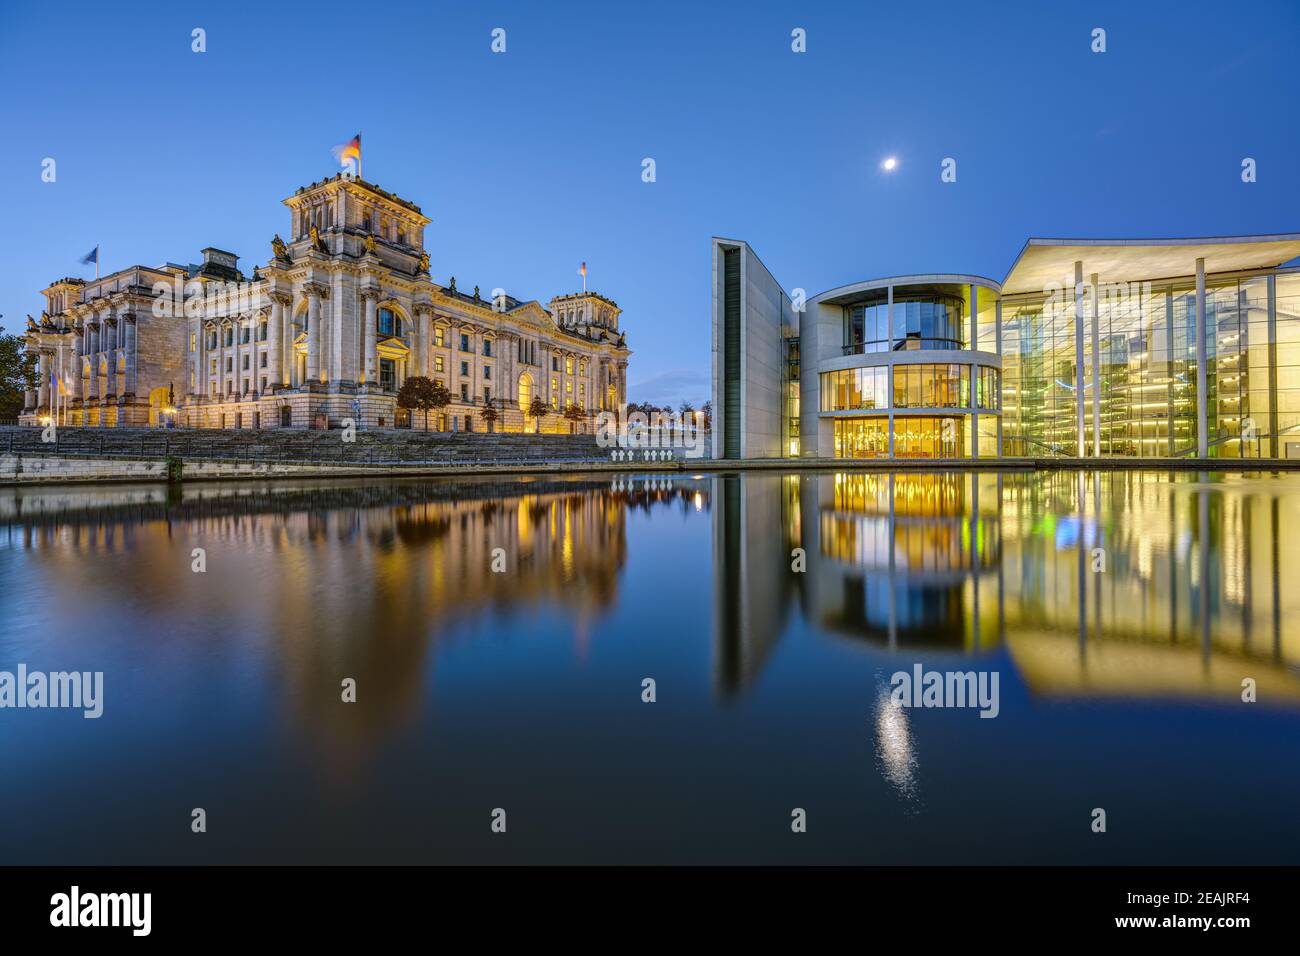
855 388
915 436
922 320
1146 363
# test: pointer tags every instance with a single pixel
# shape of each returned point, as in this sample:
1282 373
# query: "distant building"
328 328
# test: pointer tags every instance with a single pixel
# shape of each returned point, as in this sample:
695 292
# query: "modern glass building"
1156 348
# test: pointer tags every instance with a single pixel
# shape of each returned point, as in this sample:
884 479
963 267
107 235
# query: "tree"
418 392
490 415
537 410
707 409
574 414
17 375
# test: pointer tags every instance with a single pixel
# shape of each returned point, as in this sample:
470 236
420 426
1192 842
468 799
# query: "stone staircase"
298 445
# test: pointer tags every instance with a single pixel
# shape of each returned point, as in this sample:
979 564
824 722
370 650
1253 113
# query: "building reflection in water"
326 580
1096 584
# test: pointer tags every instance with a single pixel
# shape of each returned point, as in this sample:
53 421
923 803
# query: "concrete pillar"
1274 442
1202 376
369 336
1078 358
313 333
997 346
1096 370
974 317
889 324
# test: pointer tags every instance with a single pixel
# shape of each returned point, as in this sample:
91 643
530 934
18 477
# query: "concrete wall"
821 339
765 311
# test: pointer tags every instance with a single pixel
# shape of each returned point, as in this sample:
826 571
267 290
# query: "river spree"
502 635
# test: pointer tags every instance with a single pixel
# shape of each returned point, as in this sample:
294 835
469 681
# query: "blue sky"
530 161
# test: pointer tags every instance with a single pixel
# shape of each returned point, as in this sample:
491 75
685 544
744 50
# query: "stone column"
368 334
1202 373
275 343
313 332
196 357
42 379
73 369
129 385
425 326
92 355
111 353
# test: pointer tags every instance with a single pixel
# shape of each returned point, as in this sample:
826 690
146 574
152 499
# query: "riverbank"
71 468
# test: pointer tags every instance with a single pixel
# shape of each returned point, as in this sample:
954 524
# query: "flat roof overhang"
847 293
1047 262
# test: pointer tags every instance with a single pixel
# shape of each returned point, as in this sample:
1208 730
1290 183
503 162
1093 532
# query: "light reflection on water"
1122 610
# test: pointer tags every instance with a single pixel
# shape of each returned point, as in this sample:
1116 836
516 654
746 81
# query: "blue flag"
91 257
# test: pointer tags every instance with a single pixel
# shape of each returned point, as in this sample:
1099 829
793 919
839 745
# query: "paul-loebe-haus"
329 328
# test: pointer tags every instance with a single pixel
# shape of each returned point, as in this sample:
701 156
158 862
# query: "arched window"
525 391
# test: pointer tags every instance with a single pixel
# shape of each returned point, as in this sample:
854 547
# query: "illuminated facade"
328 328
1098 348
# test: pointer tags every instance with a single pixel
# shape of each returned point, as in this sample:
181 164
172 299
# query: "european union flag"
91 256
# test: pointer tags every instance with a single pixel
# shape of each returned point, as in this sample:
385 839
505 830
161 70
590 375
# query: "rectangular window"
439 364
464 368
230 364
487 346
568 366
487 395
487 371
555 363
464 343
386 322
264 354
464 392
440 339
193 342
387 374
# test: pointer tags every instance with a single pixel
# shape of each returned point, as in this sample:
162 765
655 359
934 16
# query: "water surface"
1121 611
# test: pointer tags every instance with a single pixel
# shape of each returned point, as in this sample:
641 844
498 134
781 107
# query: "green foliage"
17 374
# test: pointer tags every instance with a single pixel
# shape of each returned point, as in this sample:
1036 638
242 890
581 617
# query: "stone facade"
328 329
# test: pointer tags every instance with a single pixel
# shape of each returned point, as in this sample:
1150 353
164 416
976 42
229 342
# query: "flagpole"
359 132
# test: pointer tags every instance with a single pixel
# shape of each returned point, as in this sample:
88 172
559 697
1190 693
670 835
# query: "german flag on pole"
350 150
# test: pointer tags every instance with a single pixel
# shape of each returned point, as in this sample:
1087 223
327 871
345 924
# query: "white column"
1078 358
889 323
43 379
369 333
997 346
313 334
974 317
1096 369
1202 377
275 344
